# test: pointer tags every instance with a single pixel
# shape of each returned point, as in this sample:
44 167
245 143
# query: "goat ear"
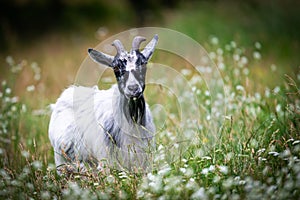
100 57
149 49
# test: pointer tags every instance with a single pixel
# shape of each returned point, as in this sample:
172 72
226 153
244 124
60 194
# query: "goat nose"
133 87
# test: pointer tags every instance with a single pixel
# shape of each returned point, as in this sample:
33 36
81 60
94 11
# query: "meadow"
256 154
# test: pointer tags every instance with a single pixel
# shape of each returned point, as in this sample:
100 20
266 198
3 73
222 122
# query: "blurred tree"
145 9
23 18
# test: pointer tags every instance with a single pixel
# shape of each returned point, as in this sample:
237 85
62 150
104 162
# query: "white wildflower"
207 102
164 171
172 183
25 154
296 142
242 182
37 164
212 55
286 153
228 182
110 179
257 96
189 172
208 70
261 151
15 183
30 88
37 77
278 108
191 184
176 145
14 108
45 195
160 147
244 60
51 167
233 44
30 186
14 99
200 194
183 170
220 51
240 88
223 169
276 90
273 67
186 72
221 65
267 92
23 108
7 90
274 153
123 175
207 93
140 194
206 157
214 40
257 45
205 171
236 57
150 176
236 72
10 60
220 58
208 117
239 51
256 55
211 168
228 47
35 67
102 31
246 71
156 184
262 159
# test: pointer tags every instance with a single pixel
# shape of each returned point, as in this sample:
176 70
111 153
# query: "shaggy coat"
88 125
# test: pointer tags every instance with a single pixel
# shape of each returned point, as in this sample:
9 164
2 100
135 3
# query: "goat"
88 125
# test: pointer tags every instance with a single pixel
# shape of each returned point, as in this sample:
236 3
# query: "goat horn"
119 46
149 48
137 42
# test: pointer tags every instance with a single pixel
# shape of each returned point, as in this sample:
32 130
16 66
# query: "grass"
256 153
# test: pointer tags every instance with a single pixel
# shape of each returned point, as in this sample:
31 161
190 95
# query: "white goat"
88 124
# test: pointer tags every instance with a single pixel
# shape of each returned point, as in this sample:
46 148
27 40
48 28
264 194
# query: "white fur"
77 124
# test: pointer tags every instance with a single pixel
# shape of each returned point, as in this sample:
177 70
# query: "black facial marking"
119 66
141 70
141 60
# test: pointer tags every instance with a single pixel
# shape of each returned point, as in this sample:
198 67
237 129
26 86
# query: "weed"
255 157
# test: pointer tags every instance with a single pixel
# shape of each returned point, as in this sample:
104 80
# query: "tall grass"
255 157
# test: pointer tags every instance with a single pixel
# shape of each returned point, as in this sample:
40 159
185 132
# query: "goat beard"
136 108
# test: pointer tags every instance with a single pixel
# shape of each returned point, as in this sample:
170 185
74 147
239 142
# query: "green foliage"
255 157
